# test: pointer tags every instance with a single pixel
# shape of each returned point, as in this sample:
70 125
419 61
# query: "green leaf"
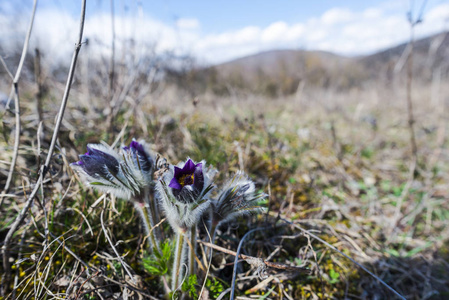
393 252
190 286
418 249
159 261
334 275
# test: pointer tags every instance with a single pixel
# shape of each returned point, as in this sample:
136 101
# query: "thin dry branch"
267 263
129 287
6 68
111 106
15 88
39 82
411 117
44 168
258 262
113 248
345 255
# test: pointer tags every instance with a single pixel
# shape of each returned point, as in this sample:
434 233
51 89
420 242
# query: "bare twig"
72 253
208 263
224 293
39 82
411 118
236 260
6 68
253 260
19 257
111 73
81 287
113 248
345 255
44 168
249 257
15 88
129 287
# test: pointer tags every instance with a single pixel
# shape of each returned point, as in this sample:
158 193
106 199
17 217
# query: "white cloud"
186 23
339 30
274 32
336 16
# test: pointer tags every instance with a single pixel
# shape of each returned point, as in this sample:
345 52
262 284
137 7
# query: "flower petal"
198 177
189 167
174 184
178 172
140 156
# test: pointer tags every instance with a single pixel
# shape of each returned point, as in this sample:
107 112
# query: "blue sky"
222 15
217 31
218 16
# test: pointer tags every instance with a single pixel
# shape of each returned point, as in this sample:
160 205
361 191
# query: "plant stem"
411 119
153 209
148 224
213 230
192 250
178 259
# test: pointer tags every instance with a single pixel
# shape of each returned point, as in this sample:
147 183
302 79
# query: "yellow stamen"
186 179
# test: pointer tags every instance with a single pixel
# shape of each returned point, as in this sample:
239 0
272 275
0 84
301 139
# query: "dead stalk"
44 168
345 255
15 89
111 105
411 118
39 82
113 248
249 257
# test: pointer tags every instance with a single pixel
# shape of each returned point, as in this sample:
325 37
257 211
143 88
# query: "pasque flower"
183 192
141 158
185 197
237 197
125 175
187 182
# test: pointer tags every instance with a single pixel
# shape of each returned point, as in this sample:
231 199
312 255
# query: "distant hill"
279 61
282 71
428 54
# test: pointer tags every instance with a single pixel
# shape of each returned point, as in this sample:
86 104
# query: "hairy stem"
178 260
149 226
149 198
192 250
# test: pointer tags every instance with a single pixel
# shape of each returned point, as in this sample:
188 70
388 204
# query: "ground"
337 164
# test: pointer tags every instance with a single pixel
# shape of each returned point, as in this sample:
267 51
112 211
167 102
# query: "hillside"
282 71
428 54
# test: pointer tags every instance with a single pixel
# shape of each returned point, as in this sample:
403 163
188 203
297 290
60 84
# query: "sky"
218 31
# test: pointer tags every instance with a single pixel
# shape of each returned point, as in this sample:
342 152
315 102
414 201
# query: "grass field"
335 165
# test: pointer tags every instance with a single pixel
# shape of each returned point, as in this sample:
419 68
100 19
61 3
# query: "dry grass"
337 164
338 168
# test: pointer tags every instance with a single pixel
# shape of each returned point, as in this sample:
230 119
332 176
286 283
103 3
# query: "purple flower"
184 193
97 163
140 156
187 180
122 175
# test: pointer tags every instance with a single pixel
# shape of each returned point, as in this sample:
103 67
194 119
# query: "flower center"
186 179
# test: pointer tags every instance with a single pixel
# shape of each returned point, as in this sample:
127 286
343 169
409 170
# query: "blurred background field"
326 136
